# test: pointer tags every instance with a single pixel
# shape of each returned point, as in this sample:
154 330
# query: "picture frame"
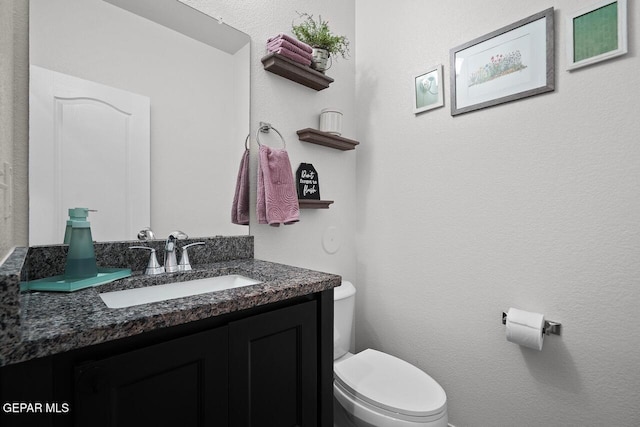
428 89
596 33
511 63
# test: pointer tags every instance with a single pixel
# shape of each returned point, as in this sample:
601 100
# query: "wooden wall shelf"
319 137
314 204
296 72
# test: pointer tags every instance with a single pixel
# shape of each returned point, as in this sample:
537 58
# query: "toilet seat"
392 385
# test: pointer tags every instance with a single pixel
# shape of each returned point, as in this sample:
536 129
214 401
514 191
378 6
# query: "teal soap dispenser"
75 214
81 269
81 258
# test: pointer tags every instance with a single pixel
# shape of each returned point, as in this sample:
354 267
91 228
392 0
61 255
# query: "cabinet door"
273 368
28 383
182 382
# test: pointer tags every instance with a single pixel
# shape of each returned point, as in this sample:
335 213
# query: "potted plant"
324 44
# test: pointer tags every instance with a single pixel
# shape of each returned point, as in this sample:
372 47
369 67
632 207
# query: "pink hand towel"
292 40
240 205
277 201
291 55
287 45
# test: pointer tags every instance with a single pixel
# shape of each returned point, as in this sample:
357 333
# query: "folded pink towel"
292 55
240 206
277 201
291 40
274 45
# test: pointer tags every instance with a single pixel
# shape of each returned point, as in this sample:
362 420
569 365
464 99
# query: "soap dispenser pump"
81 258
75 214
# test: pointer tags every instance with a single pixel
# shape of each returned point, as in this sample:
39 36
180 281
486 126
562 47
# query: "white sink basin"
144 295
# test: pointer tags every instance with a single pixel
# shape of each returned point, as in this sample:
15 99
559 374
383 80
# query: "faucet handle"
153 267
184 264
179 235
146 234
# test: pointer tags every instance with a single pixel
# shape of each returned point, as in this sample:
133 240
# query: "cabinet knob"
91 379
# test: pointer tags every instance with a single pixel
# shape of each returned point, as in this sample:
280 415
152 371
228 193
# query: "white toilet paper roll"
525 328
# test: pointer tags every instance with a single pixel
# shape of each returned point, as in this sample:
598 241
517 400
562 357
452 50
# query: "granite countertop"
51 322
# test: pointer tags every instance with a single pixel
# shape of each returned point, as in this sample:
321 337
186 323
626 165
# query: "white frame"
622 34
437 69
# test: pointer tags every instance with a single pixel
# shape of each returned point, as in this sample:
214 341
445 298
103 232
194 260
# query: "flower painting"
508 64
500 65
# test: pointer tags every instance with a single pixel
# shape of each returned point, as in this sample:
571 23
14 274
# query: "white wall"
13 125
289 107
532 204
192 86
6 122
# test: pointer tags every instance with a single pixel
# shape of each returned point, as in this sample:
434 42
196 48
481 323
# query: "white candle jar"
331 121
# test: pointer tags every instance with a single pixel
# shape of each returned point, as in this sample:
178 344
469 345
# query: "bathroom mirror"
193 69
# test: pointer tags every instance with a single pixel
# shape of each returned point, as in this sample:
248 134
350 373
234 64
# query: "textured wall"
532 204
13 122
6 119
289 107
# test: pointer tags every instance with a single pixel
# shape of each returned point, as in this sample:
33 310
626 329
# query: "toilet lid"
390 383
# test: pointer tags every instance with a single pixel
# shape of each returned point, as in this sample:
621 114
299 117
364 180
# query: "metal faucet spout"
170 260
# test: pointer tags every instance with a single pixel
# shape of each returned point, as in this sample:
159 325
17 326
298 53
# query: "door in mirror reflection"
89 147
196 75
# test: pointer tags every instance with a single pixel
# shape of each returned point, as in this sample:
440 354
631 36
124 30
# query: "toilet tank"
344 298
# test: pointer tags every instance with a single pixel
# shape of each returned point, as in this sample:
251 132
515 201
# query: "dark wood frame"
548 15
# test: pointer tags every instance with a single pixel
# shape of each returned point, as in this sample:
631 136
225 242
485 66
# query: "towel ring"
246 142
264 128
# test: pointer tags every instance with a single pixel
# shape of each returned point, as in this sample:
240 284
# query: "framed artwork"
511 63
596 33
427 89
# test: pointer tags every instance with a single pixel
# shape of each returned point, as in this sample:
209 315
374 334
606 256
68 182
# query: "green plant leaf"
318 35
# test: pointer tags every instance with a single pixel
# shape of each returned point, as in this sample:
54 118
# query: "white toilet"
375 389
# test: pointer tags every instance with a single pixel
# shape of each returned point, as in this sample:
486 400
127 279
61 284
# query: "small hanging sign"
307 180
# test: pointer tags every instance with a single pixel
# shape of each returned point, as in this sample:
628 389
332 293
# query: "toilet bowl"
375 389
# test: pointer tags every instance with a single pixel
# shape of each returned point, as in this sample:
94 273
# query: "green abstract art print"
596 32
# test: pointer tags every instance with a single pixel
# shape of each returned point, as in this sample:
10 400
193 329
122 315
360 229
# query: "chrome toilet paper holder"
550 327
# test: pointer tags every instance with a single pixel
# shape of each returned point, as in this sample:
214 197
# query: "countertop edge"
39 333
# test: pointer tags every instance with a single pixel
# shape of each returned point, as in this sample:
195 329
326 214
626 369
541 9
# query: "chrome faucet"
153 267
170 260
184 264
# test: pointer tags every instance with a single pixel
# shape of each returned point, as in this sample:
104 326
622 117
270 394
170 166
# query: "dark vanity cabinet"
182 382
266 366
273 368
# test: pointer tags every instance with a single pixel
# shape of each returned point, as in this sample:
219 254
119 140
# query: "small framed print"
428 89
596 33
